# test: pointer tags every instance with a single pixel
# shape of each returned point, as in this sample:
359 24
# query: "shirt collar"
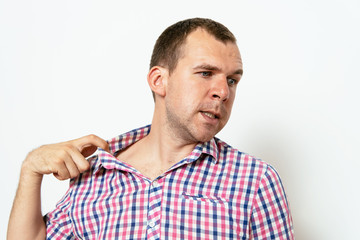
208 148
116 144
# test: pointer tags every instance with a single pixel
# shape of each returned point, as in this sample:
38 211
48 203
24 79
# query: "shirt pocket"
205 217
210 199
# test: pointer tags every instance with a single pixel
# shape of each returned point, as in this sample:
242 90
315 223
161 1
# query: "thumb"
87 145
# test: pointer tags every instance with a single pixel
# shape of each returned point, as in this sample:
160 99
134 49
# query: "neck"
158 151
165 145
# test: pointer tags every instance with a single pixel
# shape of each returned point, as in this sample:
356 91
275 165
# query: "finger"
79 160
72 168
61 172
88 141
61 163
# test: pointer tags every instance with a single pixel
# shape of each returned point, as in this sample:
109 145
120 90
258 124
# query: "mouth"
211 115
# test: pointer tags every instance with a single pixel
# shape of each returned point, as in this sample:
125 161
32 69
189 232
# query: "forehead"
200 46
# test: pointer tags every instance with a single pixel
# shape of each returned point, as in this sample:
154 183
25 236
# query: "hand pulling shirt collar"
116 144
216 192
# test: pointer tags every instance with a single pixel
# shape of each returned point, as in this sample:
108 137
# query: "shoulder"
247 165
244 161
260 184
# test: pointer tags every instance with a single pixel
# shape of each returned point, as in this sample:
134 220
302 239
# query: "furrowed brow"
207 67
239 72
215 68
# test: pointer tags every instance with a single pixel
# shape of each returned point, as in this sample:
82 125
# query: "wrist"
28 175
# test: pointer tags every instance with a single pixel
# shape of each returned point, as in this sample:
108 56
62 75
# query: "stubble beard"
184 129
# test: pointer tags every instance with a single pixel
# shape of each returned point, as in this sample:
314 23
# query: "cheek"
229 106
190 92
232 97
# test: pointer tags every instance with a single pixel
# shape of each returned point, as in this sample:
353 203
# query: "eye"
231 81
206 74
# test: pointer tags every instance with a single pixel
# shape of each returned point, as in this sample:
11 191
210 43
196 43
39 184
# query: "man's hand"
65 160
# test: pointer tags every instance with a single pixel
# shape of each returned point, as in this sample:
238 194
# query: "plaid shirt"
216 192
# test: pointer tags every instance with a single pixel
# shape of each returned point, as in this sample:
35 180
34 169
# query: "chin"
205 137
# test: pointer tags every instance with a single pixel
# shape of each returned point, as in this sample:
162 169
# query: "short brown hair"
167 49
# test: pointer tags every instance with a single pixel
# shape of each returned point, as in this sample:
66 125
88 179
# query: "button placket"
151 224
155 184
154 210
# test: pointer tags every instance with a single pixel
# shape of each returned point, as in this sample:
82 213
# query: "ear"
157 80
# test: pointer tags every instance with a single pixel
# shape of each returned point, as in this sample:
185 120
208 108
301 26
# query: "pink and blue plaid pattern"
216 192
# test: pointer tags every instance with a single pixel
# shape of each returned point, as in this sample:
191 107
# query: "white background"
71 68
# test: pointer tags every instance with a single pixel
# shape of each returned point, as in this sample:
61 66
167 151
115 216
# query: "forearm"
64 160
26 220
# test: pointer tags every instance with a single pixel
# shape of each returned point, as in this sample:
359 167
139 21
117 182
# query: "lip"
210 119
215 113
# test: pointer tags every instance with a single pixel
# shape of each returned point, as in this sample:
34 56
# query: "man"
172 179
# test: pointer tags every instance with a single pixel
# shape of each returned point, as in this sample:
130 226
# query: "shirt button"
155 184
151 223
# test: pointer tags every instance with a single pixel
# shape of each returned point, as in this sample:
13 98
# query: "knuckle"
65 150
59 160
68 147
60 177
92 136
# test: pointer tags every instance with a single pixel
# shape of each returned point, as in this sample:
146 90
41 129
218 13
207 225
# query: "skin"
204 80
192 105
64 160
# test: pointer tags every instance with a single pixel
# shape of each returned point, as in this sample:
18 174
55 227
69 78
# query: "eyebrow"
215 68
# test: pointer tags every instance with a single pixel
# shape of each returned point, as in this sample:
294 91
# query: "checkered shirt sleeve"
271 217
59 220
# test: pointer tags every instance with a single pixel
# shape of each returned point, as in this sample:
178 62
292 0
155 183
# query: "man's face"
201 90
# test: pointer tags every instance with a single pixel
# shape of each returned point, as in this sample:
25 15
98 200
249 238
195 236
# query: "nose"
220 90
